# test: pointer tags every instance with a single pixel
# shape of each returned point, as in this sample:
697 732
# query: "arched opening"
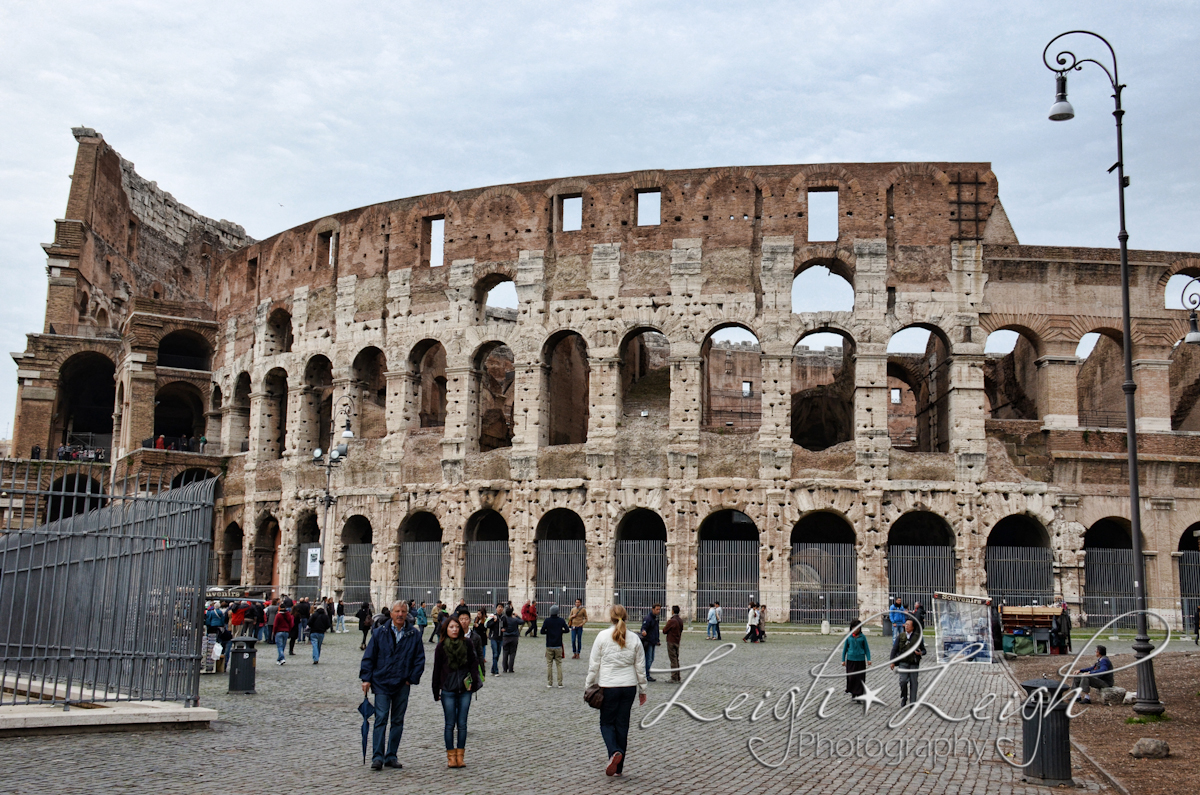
918 358
496 297
420 557
357 547
731 377
491 392
277 334
184 350
74 493
727 564
823 390
824 570
1019 562
190 475
818 288
1010 375
561 564
565 386
272 428
427 368
1189 576
179 416
102 321
370 367
1098 380
920 558
1184 380
645 378
231 555
640 562
214 422
308 537
266 552
83 416
485 580
239 415
317 421
1108 572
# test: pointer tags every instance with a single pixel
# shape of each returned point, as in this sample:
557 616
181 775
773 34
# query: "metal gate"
561 574
915 572
726 572
305 585
485 581
1189 588
105 603
420 571
824 584
1108 586
1020 575
641 575
235 567
357 585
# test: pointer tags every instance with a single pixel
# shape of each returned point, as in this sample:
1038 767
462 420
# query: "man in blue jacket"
650 638
392 663
1100 675
897 616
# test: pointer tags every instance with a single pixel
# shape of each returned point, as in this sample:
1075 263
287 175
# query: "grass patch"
1144 719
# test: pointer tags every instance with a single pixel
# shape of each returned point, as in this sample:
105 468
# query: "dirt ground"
1107 738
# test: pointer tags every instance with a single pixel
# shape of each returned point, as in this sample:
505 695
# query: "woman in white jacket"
751 624
618 665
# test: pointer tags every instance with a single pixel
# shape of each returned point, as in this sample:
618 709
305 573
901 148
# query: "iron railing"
561 574
824 584
1020 575
727 572
1108 586
915 572
641 575
1189 589
100 590
1102 419
485 580
420 571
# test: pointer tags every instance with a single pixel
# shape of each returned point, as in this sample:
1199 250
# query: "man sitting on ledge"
1098 677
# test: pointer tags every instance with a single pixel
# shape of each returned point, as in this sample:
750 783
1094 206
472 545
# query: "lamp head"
347 434
1061 110
317 454
342 450
1193 335
333 455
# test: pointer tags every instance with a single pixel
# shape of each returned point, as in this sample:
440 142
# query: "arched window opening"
822 390
640 562
820 289
83 416
272 430
179 420
492 395
102 321
75 493
1019 562
370 368
646 377
565 386
1189 576
427 365
357 547
920 558
308 535
488 560
184 350
278 333
919 358
191 475
727 564
420 558
230 571
731 364
317 420
266 552
1010 376
824 571
1108 573
239 415
1184 378
497 298
1098 380
561 563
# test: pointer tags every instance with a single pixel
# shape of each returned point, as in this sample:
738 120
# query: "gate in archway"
485 581
915 572
420 571
309 586
1189 588
561 573
1020 575
641 575
824 584
357 587
726 572
1108 586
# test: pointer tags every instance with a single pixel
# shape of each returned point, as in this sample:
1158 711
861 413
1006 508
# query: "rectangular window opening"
572 213
822 215
324 248
434 245
895 396
251 274
649 207
747 389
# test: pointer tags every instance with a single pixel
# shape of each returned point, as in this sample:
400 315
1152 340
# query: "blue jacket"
856 648
422 618
388 664
650 627
1101 670
896 615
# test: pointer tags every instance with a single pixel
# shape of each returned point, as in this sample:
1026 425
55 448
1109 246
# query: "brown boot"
459 757
451 758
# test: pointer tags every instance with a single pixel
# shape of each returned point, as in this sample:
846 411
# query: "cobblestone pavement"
300 732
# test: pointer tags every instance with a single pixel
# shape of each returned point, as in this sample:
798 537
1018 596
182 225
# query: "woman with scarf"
856 656
456 675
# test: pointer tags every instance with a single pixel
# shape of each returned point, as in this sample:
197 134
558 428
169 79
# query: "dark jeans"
532 629
717 627
510 655
614 719
495 643
303 629
1086 683
649 659
455 707
576 640
316 638
397 704
421 629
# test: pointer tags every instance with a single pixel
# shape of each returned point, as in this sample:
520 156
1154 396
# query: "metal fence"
824 584
101 595
1189 588
915 572
485 581
1020 575
1102 419
641 575
421 571
727 572
357 585
561 574
235 567
310 586
1108 586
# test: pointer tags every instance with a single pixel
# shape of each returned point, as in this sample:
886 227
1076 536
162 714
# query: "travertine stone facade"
599 393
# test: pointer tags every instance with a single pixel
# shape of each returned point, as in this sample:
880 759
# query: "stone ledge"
23 720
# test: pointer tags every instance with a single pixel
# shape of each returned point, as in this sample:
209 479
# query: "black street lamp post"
328 461
1147 693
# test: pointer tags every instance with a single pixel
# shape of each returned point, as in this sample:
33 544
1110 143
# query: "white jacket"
751 619
613 666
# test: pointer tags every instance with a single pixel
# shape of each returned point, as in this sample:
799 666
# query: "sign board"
962 625
314 562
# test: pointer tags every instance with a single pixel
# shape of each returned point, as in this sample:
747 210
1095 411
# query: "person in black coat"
510 633
650 638
909 640
364 615
495 635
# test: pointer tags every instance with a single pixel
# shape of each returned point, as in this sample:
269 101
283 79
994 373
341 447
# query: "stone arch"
836 264
421 525
645 181
239 413
185 349
1011 379
229 561
560 565
1018 561
565 385
822 399
420 570
277 333
1188 266
643 358
488 559
316 417
267 537
823 569
357 542
930 420
734 173
920 557
727 563
640 561
821 176
84 400
272 421
1099 375
370 370
491 394
74 493
1108 572
731 380
179 415
482 292
431 206
500 191
427 393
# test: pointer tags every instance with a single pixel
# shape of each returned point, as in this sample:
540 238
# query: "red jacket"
529 611
284 621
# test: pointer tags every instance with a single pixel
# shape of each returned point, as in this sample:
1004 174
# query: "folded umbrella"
366 709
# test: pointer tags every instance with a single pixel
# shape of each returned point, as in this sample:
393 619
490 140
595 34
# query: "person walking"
391 664
476 635
510 634
455 678
237 618
618 667
1195 621
710 632
673 629
650 638
529 616
576 620
282 629
1099 675
918 612
553 628
908 640
717 628
422 620
751 635
495 635
896 615
318 625
364 616
341 616
761 626
856 656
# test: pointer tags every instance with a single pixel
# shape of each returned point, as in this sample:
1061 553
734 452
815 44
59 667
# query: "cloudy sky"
272 114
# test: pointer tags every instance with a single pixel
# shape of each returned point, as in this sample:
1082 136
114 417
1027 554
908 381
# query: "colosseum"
649 418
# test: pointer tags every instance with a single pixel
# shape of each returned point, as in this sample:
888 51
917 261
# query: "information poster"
314 563
963 625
